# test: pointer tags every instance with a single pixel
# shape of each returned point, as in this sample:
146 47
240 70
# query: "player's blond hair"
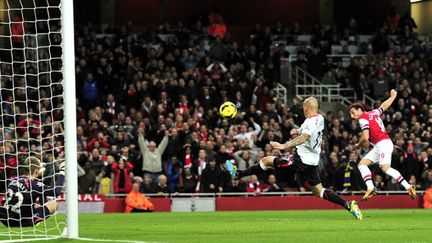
31 164
312 102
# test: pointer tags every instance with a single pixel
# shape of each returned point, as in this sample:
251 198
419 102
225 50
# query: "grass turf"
260 226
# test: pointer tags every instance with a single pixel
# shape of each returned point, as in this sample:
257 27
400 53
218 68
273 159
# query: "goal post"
68 58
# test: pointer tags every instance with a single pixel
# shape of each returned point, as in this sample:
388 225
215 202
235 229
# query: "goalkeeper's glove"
62 167
42 169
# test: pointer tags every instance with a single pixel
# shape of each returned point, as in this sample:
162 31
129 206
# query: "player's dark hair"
30 165
356 106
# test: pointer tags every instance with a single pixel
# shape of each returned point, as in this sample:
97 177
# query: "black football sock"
253 170
334 198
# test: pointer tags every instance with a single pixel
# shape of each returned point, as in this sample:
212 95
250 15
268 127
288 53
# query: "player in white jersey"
310 150
305 161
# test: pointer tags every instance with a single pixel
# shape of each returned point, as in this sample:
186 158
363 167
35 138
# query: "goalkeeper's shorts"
12 219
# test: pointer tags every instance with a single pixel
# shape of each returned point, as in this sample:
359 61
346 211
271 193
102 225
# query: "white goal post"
68 58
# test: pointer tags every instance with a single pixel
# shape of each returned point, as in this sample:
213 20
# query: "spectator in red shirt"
17 29
100 139
410 162
254 185
31 125
217 27
8 163
123 175
216 71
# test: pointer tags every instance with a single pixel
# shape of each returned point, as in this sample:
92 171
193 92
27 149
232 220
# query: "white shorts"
381 152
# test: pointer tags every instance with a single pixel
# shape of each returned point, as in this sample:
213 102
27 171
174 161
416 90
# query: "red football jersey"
371 120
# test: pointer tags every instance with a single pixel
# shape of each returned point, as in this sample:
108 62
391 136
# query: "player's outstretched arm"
386 104
294 142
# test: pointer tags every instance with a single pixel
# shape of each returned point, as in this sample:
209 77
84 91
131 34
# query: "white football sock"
398 177
322 193
262 165
367 176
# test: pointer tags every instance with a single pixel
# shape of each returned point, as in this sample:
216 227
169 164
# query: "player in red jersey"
373 129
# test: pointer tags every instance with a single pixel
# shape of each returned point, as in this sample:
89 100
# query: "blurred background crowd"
148 106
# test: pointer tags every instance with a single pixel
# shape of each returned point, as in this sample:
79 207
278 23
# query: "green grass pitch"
407 225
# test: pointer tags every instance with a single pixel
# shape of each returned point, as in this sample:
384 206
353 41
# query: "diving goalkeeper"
20 207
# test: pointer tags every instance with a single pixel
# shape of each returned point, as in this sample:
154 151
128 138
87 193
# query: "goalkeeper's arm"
52 191
60 177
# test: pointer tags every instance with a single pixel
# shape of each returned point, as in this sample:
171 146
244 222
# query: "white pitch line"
106 240
27 240
82 239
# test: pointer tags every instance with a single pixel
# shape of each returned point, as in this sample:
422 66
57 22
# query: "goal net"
32 119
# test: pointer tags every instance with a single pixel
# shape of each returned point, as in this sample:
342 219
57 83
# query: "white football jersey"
310 150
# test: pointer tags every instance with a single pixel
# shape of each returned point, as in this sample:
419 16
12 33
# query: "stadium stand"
170 81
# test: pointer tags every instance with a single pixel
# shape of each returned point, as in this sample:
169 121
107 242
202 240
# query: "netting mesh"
31 115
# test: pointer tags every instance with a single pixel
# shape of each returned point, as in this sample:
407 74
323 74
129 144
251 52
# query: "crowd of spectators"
148 109
397 59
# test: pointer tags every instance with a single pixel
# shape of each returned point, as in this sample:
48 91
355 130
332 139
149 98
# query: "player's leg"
12 219
51 206
43 212
311 174
369 159
399 178
8 219
329 195
385 151
3 216
264 164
